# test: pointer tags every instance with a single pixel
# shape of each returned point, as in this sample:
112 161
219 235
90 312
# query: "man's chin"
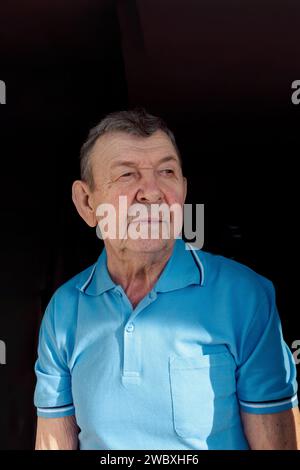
148 245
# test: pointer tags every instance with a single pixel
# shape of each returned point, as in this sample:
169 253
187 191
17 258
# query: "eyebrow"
133 164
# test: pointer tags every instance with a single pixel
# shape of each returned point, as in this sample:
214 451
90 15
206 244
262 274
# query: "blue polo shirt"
173 372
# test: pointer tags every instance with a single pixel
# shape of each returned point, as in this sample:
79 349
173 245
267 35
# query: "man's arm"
57 433
276 431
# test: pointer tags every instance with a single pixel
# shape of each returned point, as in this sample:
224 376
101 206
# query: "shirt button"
130 328
152 295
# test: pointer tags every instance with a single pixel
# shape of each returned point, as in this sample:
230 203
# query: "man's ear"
185 188
82 198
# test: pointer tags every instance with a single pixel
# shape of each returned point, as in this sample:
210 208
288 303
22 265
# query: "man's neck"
136 272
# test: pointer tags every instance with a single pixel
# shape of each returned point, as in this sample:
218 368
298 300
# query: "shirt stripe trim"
55 410
268 404
84 286
198 262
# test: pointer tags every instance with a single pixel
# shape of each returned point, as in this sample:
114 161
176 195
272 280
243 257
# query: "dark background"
219 72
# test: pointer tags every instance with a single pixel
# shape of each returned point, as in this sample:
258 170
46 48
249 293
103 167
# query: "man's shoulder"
62 307
230 273
70 288
63 304
77 281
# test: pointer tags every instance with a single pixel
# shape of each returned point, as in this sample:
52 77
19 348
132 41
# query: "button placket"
130 327
132 345
132 355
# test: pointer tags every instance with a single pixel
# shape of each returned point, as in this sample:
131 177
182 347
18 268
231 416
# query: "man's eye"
167 171
127 175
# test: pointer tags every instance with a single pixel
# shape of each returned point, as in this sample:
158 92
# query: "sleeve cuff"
56 412
274 406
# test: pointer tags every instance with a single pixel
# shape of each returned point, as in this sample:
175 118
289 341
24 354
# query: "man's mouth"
149 221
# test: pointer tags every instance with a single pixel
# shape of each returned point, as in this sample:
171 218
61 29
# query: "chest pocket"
203 394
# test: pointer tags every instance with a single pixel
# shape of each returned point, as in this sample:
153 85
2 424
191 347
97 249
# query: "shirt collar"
183 268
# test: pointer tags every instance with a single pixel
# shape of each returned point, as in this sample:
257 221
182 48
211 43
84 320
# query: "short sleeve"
53 394
266 375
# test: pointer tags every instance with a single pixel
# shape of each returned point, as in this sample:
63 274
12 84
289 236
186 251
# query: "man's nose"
149 190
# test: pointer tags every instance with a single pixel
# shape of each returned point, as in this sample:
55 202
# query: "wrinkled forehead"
115 146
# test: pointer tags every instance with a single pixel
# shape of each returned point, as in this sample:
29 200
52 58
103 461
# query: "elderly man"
157 346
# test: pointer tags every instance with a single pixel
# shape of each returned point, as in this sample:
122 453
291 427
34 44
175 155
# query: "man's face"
145 170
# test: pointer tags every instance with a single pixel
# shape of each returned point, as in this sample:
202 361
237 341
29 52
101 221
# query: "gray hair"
136 122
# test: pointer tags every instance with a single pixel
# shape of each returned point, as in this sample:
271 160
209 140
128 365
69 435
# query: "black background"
220 73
